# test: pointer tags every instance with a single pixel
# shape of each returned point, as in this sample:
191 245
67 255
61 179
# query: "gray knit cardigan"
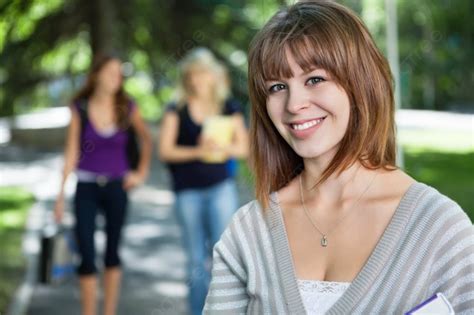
428 247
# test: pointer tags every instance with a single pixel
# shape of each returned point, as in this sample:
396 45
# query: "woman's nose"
296 101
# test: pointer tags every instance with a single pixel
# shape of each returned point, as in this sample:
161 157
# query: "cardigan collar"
369 272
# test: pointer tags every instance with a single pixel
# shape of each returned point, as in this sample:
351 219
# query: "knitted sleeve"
227 291
452 272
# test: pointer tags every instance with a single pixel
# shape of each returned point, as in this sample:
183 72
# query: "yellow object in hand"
220 130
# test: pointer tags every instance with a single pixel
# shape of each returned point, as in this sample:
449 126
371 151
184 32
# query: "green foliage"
435 53
56 41
12 265
151 102
43 41
20 18
70 57
450 173
435 43
14 204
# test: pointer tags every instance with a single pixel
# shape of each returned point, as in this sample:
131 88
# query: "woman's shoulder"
179 109
171 107
252 209
438 211
248 218
78 104
232 106
417 198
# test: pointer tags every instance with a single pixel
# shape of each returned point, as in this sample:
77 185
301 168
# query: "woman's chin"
310 156
311 152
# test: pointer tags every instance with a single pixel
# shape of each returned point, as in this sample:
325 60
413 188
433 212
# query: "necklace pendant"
324 241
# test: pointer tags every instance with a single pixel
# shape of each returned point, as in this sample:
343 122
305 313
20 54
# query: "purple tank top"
104 155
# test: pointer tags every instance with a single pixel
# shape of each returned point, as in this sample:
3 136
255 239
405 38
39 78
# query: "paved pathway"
152 256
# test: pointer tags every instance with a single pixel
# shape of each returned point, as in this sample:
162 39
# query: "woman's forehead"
199 68
291 59
112 64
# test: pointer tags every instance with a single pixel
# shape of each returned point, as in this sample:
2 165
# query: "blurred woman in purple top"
102 117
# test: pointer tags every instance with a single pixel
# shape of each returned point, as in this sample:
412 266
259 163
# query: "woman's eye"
315 80
276 87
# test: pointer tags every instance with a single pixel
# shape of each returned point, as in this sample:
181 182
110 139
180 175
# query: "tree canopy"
46 46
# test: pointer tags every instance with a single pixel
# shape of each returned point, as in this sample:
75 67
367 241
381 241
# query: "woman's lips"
304 128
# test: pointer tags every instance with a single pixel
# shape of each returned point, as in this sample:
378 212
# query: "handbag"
58 255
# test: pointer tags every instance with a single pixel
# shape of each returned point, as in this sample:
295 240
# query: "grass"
14 205
444 160
450 173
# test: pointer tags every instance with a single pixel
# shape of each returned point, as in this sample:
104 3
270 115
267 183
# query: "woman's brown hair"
121 98
325 35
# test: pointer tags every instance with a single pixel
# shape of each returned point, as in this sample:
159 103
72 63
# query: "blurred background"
45 51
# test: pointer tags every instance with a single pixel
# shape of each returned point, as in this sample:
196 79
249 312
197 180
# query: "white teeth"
307 124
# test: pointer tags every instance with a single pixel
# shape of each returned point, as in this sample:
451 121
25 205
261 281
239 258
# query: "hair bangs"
274 62
310 49
311 52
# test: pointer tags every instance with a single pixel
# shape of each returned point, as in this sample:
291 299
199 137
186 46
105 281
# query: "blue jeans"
203 215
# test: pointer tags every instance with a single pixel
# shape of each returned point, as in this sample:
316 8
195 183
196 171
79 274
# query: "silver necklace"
324 238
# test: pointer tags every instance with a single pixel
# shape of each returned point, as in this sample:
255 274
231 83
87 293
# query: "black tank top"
196 174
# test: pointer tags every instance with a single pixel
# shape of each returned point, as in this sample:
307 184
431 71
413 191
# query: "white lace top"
319 296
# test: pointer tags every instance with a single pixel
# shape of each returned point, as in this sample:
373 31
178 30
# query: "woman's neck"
337 185
204 104
202 98
102 98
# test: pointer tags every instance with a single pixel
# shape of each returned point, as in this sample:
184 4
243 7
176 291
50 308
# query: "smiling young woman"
336 228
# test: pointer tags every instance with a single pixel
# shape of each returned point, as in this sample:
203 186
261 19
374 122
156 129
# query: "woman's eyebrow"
313 69
272 80
304 73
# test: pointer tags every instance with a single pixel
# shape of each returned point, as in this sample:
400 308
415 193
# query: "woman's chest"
102 118
93 139
331 252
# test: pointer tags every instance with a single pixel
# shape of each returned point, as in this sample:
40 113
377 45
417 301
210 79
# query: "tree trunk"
103 25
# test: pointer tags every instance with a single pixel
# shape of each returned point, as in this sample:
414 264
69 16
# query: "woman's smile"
303 129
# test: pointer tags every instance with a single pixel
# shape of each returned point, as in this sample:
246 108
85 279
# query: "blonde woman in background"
206 195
